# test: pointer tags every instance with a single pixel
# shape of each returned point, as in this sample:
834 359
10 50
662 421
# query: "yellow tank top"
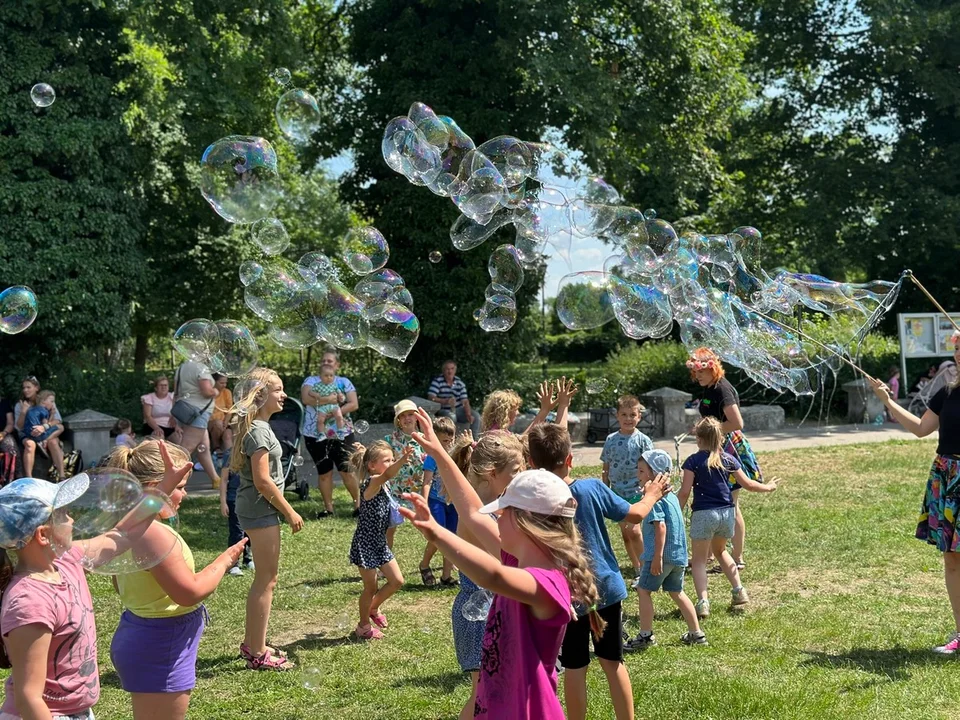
142 595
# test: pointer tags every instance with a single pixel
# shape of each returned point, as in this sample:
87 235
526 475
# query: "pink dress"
518 675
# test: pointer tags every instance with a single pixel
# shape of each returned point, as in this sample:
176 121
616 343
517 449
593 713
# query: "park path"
787 438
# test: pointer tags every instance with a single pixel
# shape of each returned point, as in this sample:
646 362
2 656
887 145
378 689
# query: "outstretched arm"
461 493
919 426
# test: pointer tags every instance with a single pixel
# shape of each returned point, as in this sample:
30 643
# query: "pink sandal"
380 620
268 661
371 633
247 655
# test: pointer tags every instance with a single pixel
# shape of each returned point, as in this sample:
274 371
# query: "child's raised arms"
461 493
566 389
486 571
378 481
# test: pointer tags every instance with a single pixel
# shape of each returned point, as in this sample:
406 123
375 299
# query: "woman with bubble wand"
46 616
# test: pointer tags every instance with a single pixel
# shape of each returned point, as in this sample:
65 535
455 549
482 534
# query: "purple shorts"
157 655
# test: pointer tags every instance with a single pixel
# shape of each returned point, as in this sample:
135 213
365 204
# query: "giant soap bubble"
225 346
238 177
18 309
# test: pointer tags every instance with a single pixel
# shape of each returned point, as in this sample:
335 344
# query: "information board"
924 335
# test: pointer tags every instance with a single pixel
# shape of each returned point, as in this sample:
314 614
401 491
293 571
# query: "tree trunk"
140 353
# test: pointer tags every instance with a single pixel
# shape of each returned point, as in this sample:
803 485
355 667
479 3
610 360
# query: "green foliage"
69 223
641 368
582 345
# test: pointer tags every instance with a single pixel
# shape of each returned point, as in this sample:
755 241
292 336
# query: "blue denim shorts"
671 579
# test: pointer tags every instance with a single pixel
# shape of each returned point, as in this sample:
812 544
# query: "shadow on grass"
319 641
891 663
447 681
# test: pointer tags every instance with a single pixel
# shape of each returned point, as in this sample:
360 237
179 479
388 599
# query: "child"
123 434
163 606
533 562
550 450
410 477
442 510
260 502
229 484
664 558
330 420
46 616
369 550
620 455
489 464
707 473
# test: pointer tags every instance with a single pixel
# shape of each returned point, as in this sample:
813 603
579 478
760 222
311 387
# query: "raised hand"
545 396
658 487
566 389
172 476
427 438
880 389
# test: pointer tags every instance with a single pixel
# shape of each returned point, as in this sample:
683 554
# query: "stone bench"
762 418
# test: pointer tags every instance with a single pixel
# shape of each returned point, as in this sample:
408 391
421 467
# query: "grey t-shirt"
250 503
188 384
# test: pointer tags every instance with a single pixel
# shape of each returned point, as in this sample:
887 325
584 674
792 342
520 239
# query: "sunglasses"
31 378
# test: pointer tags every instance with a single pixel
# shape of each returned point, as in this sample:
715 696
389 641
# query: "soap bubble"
320 266
281 76
477 314
312 678
402 297
595 386
298 115
237 352
343 323
361 427
583 300
270 236
298 461
499 313
650 214
435 256
42 95
282 287
197 340
394 332
99 500
505 269
250 271
18 309
477 606
201 448
238 177
365 250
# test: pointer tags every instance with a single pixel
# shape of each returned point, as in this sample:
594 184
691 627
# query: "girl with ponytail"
709 474
260 503
531 559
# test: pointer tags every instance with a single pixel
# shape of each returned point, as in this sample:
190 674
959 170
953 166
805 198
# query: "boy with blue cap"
664 558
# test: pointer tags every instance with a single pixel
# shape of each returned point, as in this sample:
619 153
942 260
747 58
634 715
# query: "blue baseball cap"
658 460
28 503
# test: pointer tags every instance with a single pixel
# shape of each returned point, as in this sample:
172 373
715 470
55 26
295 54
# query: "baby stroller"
603 421
286 426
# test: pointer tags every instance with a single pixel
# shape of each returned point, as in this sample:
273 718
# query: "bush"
580 346
638 369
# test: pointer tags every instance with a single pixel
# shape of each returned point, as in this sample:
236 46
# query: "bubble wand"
909 274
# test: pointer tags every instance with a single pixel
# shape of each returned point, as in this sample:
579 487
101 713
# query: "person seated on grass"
550 449
664 557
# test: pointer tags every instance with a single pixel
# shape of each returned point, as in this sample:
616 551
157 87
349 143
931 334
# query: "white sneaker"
250 566
703 608
235 570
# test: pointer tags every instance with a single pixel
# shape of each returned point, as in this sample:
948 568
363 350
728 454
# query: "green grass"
845 607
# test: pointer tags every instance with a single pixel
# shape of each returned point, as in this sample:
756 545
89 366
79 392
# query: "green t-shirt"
250 503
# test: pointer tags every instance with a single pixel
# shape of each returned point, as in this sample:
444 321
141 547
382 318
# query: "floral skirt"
738 446
941 503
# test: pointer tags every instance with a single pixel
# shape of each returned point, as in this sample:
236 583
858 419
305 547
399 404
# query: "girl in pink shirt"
532 560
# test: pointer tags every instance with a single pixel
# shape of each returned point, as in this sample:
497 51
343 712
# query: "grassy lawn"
845 606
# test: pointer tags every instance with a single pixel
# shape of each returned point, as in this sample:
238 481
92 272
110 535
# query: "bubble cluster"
477 606
18 309
101 500
308 301
42 95
711 286
298 115
225 346
238 177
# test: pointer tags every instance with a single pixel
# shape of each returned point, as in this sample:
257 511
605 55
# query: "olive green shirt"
250 503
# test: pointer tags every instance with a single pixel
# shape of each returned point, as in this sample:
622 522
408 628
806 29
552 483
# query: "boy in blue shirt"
550 450
620 455
664 558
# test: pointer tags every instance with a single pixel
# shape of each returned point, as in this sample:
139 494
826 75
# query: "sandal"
268 661
449 582
247 655
371 633
380 620
426 575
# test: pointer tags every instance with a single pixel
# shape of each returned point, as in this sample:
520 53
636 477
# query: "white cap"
538 491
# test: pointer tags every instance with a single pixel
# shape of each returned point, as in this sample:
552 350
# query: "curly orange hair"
705 358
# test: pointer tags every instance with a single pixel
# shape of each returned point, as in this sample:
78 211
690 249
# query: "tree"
69 219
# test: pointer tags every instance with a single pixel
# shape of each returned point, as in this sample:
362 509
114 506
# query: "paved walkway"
807 435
